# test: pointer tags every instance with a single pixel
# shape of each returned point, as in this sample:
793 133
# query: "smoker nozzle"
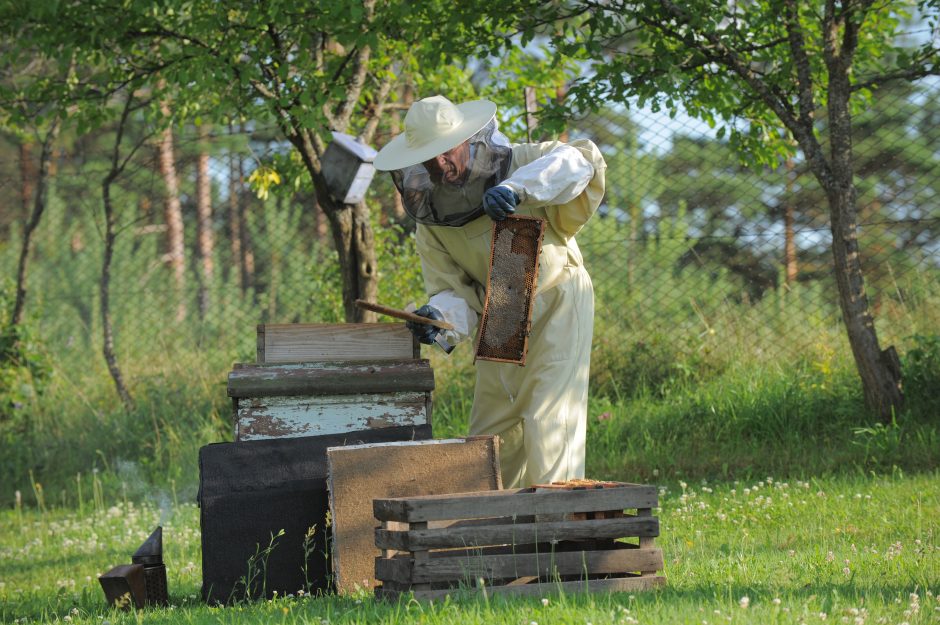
151 552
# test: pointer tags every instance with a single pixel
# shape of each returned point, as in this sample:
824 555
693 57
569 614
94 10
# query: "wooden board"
311 342
359 474
619 584
285 417
442 566
330 378
520 533
514 501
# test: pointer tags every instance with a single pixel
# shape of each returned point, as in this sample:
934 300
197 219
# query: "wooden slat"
515 534
619 584
312 342
330 378
279 417
517 501
542 565
645 541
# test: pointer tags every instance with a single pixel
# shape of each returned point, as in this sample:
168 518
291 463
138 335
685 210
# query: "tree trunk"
397 213
173 216
322 225
247 258
789 244
352 234
104 292
879 370
39 205
355 247
234 218
104 288
27 177
205 242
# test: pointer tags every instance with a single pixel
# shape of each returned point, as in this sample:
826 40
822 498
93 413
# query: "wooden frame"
532 275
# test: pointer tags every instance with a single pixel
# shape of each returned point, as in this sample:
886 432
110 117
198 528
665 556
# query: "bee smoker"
141 583
150 556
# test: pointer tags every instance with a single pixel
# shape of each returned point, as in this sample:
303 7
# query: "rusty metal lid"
151 552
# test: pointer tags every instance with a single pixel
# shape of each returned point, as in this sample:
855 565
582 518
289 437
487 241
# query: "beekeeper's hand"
421 331
499 202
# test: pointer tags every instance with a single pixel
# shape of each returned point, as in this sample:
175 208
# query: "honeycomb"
510 289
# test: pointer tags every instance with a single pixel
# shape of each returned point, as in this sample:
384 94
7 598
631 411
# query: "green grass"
861 549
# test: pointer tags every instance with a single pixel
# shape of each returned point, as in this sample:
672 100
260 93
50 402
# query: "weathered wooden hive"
317 379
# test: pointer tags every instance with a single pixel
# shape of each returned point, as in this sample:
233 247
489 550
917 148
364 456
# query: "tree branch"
801 59
385 87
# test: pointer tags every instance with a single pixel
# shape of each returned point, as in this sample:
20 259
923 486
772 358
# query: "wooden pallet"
531 541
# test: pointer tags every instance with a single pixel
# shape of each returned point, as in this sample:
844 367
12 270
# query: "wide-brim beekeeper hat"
432 126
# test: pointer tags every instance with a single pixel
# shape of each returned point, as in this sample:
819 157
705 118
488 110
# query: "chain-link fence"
698 262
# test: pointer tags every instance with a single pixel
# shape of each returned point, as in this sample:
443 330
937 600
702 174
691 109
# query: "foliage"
921 364
732 67
25 368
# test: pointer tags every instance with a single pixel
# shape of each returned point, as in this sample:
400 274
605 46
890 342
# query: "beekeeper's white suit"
539 410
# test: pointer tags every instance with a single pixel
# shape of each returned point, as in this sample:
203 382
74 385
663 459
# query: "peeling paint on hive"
278 417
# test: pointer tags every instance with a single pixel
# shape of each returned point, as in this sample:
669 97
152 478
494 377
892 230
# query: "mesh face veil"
439 203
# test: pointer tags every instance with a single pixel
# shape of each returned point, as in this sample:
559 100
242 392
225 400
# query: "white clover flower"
544 601
744 601
776 601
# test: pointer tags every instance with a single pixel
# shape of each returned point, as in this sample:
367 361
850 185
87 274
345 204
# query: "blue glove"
499 201
423 332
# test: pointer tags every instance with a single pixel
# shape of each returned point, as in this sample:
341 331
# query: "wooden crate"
529 541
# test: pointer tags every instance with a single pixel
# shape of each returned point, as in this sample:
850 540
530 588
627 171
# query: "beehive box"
577 536
321 379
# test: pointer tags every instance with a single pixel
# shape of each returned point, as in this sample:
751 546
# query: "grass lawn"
855 550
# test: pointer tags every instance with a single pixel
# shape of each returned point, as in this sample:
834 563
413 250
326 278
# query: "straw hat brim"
397 154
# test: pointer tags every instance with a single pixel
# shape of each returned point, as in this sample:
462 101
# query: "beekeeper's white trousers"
539 411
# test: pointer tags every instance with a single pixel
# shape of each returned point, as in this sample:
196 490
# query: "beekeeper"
456 173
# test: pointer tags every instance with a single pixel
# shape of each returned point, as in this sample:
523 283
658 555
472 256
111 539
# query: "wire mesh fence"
698 261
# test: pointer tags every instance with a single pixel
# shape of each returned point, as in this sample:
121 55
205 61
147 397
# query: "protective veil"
539 411
443 204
